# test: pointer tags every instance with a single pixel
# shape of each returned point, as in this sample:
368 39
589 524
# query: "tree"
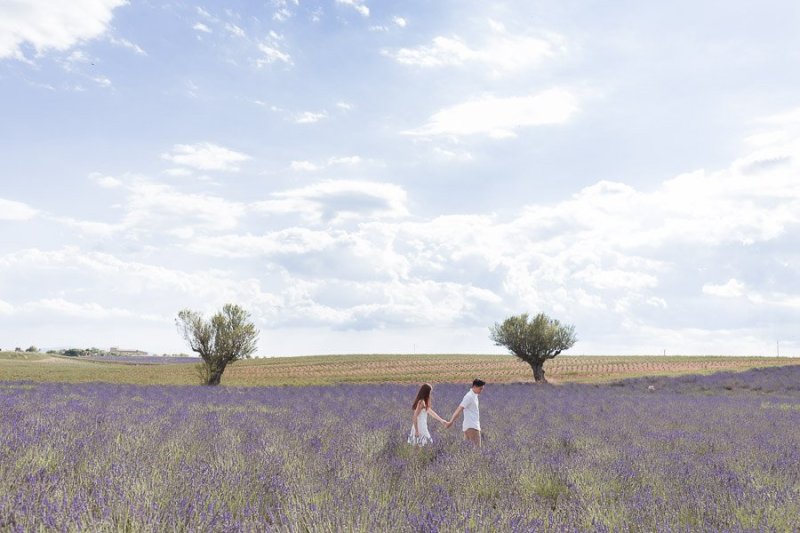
534 341
227 337
33 349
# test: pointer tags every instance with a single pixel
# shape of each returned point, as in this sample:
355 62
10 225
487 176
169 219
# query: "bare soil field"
492 368
398 368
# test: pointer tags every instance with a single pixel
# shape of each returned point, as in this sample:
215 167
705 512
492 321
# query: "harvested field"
330 369
494 368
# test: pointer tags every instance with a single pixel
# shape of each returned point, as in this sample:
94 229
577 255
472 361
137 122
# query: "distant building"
116 351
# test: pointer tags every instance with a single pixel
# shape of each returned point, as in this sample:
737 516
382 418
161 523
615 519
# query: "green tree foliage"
535 340
227 337
32 349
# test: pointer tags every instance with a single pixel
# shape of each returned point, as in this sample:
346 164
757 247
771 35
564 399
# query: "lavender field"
718 452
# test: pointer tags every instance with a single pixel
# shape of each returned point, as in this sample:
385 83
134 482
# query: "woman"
422 406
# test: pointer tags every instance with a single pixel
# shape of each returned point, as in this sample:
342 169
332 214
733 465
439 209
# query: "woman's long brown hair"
423 394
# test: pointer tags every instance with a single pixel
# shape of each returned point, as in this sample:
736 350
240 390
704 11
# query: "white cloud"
497 26
202 27
601 278
732 289
103 280
400 22
501 53
192 90
308 166
156 211
358 5
304 166
779 299
88 310
596 257
457 155
234 29
272 50
87 227
699 208
272 55
206 156
637 338
102 81
347 160
444 51
155 207
336 201
56 25
286 241
350 280
281 15
45 86
309 117
11 210
406 303
344 106
6 308
282 9
125 43
178 172
500 117
606 248
613 258
75 57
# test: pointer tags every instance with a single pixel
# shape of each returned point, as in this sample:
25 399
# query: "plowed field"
313 370
492 368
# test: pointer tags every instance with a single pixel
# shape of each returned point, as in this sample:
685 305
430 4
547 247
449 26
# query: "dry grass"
316 370
40 367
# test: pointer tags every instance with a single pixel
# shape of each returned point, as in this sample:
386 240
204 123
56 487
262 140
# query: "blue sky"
397 176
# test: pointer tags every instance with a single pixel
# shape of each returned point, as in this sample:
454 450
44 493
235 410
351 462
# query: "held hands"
448 424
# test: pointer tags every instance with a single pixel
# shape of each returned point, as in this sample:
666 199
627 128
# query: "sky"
396 177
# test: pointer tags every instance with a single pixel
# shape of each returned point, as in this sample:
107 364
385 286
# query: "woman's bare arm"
436 416
455 414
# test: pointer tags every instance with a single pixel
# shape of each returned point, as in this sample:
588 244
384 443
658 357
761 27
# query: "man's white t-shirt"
472 417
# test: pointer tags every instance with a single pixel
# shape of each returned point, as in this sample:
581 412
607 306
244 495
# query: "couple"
471 426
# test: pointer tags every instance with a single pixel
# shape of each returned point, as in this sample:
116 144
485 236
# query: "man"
471 426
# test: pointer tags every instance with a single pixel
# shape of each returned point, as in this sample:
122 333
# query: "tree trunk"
538 371
215 375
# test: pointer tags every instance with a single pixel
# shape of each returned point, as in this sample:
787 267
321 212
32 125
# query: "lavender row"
142 359
656 455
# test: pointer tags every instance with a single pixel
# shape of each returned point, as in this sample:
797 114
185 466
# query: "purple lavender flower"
718 452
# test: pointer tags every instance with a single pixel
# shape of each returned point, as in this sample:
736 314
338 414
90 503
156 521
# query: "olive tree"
226 337
535 340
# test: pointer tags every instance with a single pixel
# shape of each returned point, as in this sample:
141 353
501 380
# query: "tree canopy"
227 337
534 340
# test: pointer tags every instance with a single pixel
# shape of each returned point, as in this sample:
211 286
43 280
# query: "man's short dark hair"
478 382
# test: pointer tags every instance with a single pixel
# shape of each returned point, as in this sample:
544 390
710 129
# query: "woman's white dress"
422 424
